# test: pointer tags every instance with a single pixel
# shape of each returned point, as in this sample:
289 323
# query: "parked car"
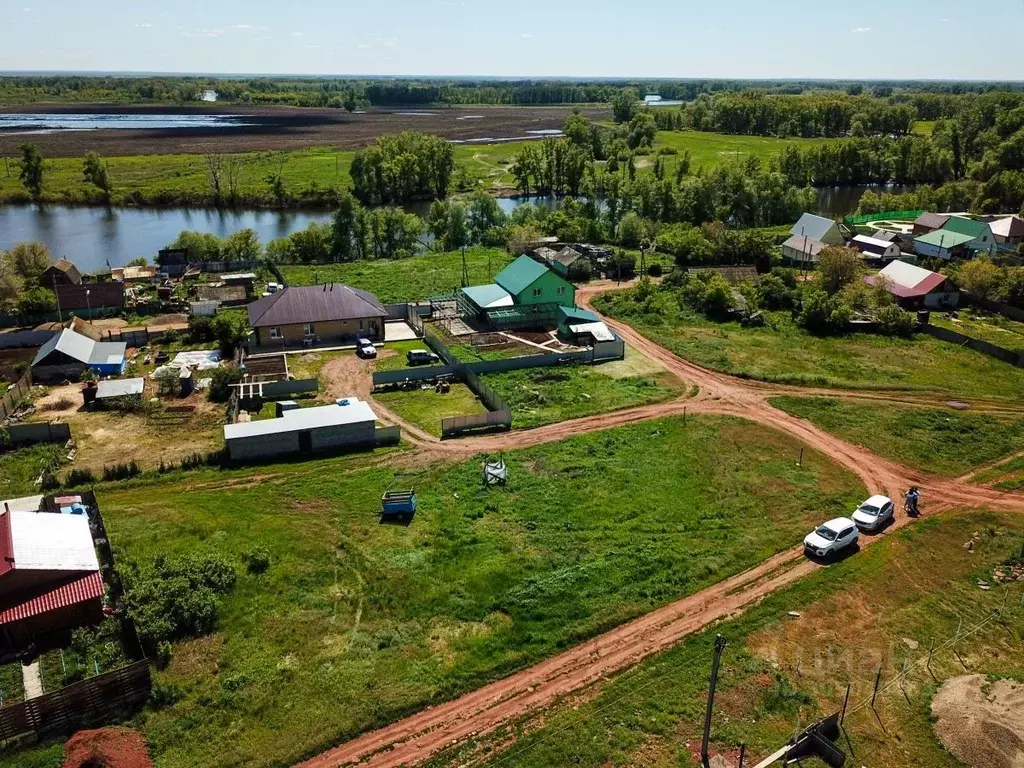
421 357
874 513
831 538
365 349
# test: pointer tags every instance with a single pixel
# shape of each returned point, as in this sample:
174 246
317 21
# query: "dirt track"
427 733
289 128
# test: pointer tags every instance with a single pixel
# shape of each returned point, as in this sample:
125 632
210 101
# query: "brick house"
313 314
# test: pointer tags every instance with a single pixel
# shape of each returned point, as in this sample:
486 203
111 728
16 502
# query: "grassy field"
412 279
781 670
184 179
1007 476
789 355
20 468
539 396
391 357
994 329
426 408
356 624
937 440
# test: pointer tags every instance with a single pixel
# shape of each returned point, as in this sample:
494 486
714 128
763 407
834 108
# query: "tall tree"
11 283
624 105
346 224
32 169
30 260
95 172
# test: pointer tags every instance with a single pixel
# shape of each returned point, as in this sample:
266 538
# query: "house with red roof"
50 579
917 288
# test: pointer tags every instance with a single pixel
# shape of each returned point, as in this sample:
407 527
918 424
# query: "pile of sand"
981 723
107 748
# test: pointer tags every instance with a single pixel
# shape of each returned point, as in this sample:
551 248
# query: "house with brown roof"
89 296
315 314
1008 230
929 222
61 272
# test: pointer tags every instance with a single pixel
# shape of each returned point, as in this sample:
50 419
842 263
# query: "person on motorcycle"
910 504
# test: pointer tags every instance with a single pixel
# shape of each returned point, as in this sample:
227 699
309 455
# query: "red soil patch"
107 748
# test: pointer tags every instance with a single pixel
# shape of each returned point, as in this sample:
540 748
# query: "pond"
45 122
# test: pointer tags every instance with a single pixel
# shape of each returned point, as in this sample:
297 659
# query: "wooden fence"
91 702
16 391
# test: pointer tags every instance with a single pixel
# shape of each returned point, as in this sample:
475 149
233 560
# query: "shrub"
221 381
176 598
79 477
893 321
772 293
121 471
655 270
824 314
200 329
837 267
257 560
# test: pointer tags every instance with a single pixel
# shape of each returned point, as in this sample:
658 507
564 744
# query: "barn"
68 354
350 422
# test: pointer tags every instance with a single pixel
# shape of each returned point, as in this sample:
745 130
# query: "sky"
866 39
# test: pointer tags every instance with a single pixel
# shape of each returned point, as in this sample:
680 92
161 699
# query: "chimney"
325 287
7 507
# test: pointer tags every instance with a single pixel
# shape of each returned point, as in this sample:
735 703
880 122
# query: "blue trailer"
398 505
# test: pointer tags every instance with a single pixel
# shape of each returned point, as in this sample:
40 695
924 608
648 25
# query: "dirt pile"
107 748
981 723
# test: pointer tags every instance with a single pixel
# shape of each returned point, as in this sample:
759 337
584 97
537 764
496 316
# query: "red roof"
24 605
923 288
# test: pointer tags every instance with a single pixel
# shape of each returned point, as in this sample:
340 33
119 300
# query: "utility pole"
719 647
60 315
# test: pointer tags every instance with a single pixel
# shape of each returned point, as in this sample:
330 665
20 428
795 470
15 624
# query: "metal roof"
82 348
871 244
964 226
23 605
356 411
313 304
120 388
1011 226
944 238
908 280
814 227
598 330
520 275
931 220
45 541
488 296
582 315
807 245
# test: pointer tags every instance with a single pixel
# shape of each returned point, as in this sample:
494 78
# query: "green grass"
710 149
413 279
994 329
924 127
426 408
937 440
778 670
539 396
789 355
391 357
11 683
356 624
20 468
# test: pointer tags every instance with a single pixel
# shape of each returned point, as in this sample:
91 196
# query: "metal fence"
16 391
42 432
882 216
388 435
455 426
979 345
94 701
413 318
999 307
440 348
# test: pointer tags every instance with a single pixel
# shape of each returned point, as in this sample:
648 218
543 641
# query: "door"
305 442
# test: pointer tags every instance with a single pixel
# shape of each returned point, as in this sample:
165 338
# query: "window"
275 333
536 291
561 291
307 329
360 325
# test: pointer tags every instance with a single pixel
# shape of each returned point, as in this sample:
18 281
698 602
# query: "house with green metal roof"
526 293
943 244
982 238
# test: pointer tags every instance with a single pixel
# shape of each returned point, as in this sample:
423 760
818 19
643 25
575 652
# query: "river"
95 237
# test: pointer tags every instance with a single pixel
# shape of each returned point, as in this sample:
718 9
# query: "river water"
45 122
95 237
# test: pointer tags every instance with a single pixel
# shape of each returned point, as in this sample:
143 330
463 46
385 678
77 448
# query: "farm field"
426 408
939 440
781 669
413 279
479 584
709 149
789 355
538 396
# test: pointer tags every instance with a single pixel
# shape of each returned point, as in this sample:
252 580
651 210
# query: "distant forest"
931 99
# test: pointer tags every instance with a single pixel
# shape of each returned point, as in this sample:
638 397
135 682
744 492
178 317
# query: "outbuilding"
69 354
802 250
1008 230
917 288
123 390
942 244
818 228
874 249
350 422
61 272
929 222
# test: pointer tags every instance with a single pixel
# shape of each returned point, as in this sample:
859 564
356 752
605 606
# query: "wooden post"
878 679
846 700
800 462
719 647
743 749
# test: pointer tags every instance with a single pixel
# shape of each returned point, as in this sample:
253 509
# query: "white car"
365 349
874 513
831 537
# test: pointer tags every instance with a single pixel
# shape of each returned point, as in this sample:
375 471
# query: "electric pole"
719 647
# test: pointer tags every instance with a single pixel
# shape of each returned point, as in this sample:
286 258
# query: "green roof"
966 226
575 313
520 275
486 295
943 238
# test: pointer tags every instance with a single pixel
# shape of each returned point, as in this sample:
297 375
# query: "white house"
875 249
818 228
915 287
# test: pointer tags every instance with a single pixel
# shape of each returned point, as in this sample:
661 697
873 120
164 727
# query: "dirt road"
423 735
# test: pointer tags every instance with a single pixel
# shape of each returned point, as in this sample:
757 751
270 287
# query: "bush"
200 329
257 560
121 471
655 270
823 314
772 293
79 477
893 321
221 381
707 292
176 598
